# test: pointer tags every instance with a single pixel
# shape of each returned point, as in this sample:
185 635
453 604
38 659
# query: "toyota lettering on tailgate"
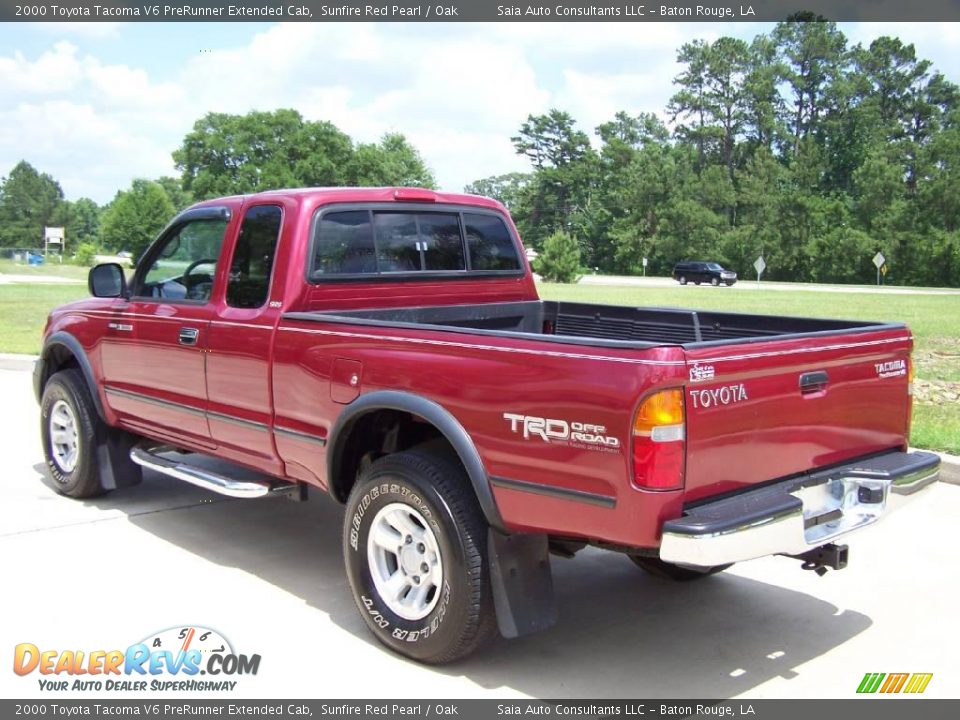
724 395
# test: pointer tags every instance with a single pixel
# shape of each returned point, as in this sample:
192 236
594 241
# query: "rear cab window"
391 241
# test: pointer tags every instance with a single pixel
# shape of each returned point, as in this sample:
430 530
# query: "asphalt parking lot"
268 575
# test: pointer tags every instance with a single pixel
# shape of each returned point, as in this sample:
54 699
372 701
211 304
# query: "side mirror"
107 281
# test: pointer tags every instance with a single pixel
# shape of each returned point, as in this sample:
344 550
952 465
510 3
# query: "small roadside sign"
879 261
759 265
53 236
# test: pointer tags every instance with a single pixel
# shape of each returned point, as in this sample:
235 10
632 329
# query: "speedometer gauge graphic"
188 637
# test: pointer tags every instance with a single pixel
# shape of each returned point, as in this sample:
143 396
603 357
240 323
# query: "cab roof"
319 196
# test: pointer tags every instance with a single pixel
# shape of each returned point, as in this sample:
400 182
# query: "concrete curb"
949 468
12 361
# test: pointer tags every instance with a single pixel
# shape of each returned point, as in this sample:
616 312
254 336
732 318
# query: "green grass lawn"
72 272
934 320
23 313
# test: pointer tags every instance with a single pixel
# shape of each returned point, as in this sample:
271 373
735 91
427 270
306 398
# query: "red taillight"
659 446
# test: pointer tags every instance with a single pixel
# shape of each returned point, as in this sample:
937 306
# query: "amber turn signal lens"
662 408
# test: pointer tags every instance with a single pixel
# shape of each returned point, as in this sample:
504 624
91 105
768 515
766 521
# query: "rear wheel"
683 279
714 281
669 571
414 546
69 426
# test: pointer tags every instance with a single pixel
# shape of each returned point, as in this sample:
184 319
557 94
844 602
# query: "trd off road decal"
561 432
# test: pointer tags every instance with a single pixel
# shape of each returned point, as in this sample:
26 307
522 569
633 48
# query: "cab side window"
252 264
490 244
185 264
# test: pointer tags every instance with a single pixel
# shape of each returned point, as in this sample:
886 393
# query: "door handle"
188 336
812 382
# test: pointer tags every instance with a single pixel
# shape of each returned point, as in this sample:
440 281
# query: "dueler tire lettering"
437 490
82 480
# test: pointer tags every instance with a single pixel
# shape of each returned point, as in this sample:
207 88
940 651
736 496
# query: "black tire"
683 279
696 282
714 281
79 479
668 571
462 617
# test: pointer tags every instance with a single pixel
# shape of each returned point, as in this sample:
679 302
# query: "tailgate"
758 411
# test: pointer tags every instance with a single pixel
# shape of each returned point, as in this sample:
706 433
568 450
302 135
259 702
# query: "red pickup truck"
388 347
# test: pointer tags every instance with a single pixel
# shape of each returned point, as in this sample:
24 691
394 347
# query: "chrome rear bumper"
797 515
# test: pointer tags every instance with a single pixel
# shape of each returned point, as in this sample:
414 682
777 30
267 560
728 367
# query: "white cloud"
457 91
88 152
55 71
92 125
456 95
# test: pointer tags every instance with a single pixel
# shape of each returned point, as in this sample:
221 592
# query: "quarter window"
252 263
489 242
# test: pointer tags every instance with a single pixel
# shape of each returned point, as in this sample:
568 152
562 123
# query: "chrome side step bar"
149 458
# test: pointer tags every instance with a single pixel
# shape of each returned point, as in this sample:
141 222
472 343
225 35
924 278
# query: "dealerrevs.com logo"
182 659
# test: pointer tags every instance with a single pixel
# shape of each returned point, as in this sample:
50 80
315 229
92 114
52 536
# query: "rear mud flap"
522 583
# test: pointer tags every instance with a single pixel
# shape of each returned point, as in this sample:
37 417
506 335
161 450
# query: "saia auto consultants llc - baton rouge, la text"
626 11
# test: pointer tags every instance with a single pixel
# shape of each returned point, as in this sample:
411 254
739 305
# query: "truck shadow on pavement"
621 632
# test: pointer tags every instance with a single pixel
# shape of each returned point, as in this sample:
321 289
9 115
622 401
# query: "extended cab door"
240 412
154 353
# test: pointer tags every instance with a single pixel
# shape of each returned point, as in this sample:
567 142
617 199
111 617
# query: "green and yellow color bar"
894 682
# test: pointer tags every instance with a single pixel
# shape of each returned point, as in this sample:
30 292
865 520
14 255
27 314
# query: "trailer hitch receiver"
823 557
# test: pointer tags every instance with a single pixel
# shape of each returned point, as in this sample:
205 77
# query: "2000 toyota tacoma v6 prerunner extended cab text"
388 347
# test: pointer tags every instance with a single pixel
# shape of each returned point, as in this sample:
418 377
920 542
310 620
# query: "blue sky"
97 105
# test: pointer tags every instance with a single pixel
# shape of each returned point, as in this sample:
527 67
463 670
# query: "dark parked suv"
698 272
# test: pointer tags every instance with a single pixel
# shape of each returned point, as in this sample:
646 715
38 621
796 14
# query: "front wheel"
414 546
68 427
669 571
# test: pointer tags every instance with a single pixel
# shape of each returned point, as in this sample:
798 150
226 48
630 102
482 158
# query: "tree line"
222 155
795 146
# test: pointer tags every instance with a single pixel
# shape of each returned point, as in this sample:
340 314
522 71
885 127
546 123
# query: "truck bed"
596 324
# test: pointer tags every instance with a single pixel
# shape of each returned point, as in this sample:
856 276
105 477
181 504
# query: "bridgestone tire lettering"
437 488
